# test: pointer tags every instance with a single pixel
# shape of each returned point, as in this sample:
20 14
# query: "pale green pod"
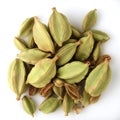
26 27
66 53
49 105
86 47
67 104
32 56
58 91
30 41
75 32
89 20
78 78
16 77
70 41
59 27
58 82
42 37
29 105
85 99
71 70
20 44
98 79
42 73
97 51
100 36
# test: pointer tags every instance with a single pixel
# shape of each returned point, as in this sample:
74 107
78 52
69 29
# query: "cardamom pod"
58 82
59 27
17 77
66 53
70 41
100 36
85 99
42 73
89 20
67 104
49 105
30 41
98 79
102 59
20 44
32 56
96 52
75 32
86 47
73 91
40 34
72 69
26 27
29 105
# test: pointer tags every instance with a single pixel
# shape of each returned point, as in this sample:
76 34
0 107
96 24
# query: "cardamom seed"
32 90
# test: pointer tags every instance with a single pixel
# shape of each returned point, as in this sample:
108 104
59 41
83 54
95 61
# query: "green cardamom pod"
86 47
42 73
96 52
58 91
98 79
42 37
66 53
20 44
102 59
67 104
70 41
72 69
29 105
58 82
26 27
32 56
16 77
59 27
100 36
32 90
75 32
30 41
85 99
49 105
89 20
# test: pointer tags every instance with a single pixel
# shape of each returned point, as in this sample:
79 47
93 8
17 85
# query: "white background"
13 12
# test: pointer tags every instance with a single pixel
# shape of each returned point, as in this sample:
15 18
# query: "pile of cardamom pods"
60 63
